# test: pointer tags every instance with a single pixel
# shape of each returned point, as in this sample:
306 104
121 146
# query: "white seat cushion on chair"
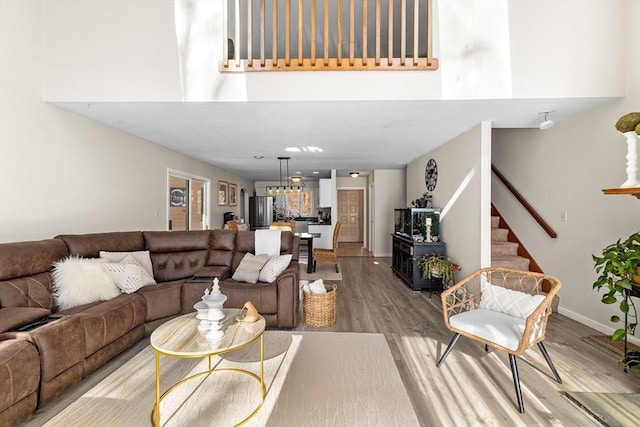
500 328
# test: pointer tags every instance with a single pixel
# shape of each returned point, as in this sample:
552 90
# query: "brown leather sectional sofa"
37 365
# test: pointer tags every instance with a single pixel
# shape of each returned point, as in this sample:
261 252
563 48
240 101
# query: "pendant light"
284 188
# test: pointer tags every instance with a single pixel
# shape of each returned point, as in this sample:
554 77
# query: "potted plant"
438 266
422 201
617 268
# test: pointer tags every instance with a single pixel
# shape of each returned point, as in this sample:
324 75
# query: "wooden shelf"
634 191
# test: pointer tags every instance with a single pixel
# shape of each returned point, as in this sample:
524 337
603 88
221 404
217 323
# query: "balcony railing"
330 35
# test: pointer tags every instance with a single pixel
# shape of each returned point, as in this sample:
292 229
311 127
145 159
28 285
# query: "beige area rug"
324 271
312 379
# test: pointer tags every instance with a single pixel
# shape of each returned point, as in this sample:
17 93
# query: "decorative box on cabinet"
405 256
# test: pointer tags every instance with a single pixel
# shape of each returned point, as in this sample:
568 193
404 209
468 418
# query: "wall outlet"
156 214
564 217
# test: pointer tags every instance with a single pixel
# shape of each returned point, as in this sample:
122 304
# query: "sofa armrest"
15 317
288 284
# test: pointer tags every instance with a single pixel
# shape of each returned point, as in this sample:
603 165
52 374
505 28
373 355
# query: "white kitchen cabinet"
326 193
325 241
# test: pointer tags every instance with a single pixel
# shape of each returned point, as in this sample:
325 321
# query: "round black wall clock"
431 174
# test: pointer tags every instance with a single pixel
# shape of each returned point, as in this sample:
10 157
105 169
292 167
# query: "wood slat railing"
536 216
264 35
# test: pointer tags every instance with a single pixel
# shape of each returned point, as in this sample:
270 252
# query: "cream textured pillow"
142 257
78 281
508 301
128 275
249 268
317 287
272 269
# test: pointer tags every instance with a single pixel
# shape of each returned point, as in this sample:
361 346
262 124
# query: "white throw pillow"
273 268
508 301
249 268
317 287
78 281
142 257
128 274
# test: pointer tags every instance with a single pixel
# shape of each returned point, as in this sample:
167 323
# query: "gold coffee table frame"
180 338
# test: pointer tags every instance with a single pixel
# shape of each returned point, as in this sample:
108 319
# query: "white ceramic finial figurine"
215 300
632 161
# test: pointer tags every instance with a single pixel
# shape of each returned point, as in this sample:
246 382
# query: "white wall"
462 194
584 36
488 49
61 173
390 189
564 169
103 50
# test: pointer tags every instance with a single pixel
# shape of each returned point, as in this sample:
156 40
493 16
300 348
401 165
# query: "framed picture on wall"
233 195
177 197
223 193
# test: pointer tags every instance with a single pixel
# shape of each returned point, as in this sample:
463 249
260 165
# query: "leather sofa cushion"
90 245
28 291
264 296
60 345
177 265
19 372
211 271
177 241
105 322
163 299
222 245
15 317
20 259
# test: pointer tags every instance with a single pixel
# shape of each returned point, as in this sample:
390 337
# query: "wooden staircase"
504 253
508 252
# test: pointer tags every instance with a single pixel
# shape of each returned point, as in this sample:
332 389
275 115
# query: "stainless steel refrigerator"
260 212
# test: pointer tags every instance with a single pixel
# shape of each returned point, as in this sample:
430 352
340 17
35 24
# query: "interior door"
350 215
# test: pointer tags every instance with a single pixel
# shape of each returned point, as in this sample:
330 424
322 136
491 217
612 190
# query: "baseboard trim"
607 330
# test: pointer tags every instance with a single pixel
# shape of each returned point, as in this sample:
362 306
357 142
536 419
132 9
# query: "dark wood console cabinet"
404 262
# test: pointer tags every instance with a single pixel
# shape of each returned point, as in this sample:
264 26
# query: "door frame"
365 212
206 220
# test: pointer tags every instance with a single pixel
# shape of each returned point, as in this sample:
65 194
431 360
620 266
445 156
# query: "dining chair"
329 255
504 309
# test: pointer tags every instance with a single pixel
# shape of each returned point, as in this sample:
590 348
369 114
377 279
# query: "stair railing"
536 216
285 35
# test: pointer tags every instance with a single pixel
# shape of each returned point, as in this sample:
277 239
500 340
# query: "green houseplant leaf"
618 271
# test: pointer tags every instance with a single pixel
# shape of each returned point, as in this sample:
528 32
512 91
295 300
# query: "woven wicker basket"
319 310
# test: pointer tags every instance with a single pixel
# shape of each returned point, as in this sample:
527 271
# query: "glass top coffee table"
180 338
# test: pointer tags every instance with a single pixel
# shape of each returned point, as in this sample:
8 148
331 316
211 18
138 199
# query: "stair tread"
503 243
507 257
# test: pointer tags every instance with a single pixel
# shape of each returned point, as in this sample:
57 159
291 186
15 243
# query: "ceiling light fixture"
284 188
354 174
546 124
296 178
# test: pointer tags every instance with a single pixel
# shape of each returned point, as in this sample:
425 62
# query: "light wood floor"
472 388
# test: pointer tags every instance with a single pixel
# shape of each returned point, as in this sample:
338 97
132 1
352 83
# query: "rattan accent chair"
328 255
502 308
